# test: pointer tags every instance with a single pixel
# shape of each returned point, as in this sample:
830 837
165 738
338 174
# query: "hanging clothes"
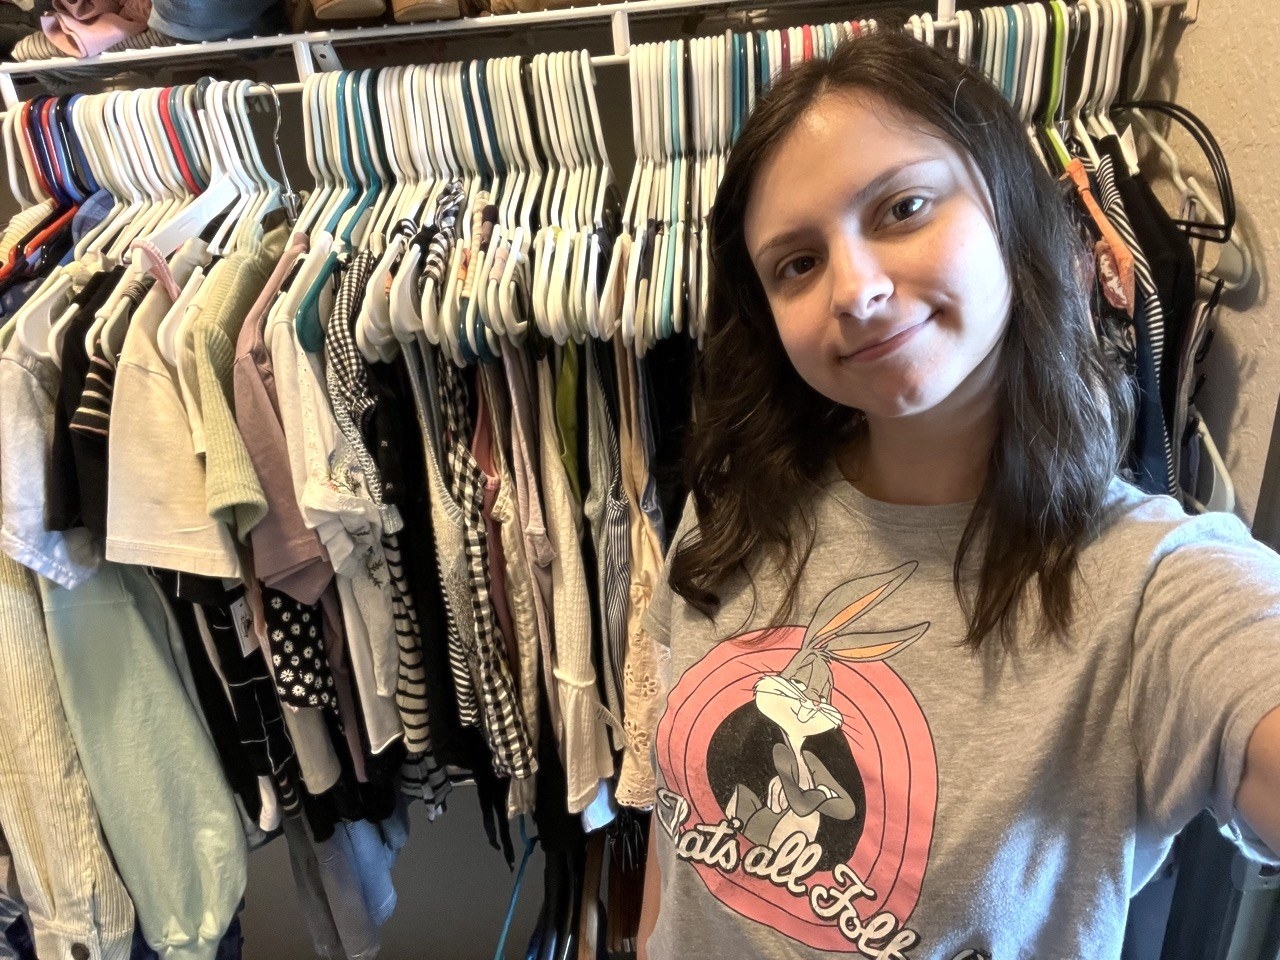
69 885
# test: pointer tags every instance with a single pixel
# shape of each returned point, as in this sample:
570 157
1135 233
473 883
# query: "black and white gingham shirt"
504 725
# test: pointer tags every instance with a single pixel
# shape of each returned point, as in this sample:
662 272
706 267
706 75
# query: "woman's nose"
860 284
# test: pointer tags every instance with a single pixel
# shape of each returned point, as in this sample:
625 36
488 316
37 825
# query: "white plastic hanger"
193 219
1089 8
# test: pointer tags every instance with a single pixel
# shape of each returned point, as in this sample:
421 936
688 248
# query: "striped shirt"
353 404
1149 314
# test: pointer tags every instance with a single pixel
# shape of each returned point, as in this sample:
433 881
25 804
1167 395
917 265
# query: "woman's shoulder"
1137 530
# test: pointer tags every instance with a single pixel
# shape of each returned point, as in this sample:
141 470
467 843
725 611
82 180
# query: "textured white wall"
1222 68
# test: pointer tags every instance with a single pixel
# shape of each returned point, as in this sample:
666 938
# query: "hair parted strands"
761 436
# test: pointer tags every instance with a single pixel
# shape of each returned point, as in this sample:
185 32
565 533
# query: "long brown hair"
761 436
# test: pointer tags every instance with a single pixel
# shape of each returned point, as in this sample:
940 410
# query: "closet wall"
1221 68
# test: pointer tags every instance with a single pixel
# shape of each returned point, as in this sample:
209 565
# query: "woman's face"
873 239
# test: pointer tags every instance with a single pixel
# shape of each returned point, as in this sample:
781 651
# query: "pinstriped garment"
72 891
446 523
609 517
348 386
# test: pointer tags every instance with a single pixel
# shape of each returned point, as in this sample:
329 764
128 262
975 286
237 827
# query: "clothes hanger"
1077 125
20 186
131 199
378 125
314 144
1141 59
101 164
1056 64
332 127
645 83
580 86
563 124
428 158
218 110
1110 56
217 198
549 213
480 338
468 253
659 202
508 147
673 299
472 336
657 316
1235 261
462 137
347 216
372 327
265 191
430 296
513 300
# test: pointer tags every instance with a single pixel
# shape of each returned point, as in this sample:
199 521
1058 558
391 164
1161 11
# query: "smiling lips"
882 348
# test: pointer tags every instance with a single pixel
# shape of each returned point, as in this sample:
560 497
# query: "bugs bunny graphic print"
800 776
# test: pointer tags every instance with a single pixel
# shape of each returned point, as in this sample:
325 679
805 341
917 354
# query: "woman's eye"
797 267
906 208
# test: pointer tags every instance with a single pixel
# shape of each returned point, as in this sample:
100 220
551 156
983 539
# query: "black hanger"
1200 133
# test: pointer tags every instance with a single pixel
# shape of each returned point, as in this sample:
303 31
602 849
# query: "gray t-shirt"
859 784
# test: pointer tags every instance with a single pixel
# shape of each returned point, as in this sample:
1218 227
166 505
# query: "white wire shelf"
315 50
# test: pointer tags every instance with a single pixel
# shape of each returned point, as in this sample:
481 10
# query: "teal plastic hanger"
307 324
366 172
1012 42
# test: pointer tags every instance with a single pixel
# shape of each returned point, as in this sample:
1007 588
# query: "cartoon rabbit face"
798 710
798 699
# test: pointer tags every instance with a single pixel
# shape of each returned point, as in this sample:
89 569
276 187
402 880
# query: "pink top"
287 553
85 28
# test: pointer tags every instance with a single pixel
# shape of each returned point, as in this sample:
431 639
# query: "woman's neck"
924 460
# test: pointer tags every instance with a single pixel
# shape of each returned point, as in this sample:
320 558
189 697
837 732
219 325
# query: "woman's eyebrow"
859 196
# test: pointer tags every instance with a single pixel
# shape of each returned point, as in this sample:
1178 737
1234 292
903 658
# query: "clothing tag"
1117 283
243 620
1130 149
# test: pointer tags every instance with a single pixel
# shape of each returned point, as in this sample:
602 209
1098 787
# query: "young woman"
938 683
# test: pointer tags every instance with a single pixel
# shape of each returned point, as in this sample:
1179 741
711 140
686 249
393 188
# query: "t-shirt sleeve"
1206 669
657 618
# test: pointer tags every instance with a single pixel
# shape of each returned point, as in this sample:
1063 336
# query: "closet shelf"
315 50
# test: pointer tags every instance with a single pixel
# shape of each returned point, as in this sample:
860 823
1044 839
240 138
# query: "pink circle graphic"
889 740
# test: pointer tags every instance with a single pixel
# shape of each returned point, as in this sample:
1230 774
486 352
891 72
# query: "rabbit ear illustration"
851 600
865 647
